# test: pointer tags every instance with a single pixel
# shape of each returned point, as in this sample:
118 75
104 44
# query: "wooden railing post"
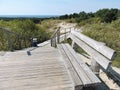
65 34
25 42
19 42
51 41
9 40
55 41
58 36
55 38
2 38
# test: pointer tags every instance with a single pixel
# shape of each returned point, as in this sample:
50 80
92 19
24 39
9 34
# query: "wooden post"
2 37
65 34
9 40
55 41
95 66
19 42
51 41
74 45
25 42
58 36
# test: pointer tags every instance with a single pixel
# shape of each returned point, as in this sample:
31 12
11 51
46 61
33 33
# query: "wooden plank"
44 43
100 47
85 80
85 68
9 40
86 76
43 70
73 73
101 60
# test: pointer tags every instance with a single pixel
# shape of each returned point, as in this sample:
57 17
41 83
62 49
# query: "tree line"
106 15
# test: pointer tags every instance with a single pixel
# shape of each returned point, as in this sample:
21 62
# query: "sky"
54 7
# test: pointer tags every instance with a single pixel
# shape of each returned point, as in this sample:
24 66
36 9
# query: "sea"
28 16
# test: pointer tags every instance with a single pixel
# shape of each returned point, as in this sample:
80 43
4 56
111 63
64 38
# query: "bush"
22 32
90 21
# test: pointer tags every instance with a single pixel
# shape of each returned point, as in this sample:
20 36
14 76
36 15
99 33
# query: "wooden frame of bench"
80 72
98 46
99 58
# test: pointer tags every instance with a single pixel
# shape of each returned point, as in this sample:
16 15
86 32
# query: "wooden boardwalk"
42 70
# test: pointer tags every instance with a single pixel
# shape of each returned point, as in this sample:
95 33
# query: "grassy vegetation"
25 28
50 23
108 33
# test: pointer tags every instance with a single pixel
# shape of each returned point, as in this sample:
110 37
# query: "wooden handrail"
19 36
55 32
55 35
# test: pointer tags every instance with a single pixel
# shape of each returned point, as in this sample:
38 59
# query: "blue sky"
53 7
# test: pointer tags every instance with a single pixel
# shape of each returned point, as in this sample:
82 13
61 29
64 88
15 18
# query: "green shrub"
23 31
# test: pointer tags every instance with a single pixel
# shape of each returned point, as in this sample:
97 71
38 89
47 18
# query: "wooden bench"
81 74
103 61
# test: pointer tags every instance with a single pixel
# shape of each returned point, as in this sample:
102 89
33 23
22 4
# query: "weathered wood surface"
100 59
99 46
71 69
57 39
42 70
81 74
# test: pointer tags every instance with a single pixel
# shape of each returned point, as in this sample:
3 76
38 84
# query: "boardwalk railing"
55 38
13 41
60 35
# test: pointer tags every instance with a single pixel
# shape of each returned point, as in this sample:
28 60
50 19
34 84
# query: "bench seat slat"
74 75
84 78
86 69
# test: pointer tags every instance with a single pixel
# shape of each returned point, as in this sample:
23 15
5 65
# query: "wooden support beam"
58 36
73 44
51 41
55 43
65 35
95 67
25 42
9 41
19 42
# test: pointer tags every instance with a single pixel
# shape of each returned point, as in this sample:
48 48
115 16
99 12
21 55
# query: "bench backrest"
98 46
100 59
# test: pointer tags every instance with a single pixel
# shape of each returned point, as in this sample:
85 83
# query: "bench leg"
74 45
95 67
